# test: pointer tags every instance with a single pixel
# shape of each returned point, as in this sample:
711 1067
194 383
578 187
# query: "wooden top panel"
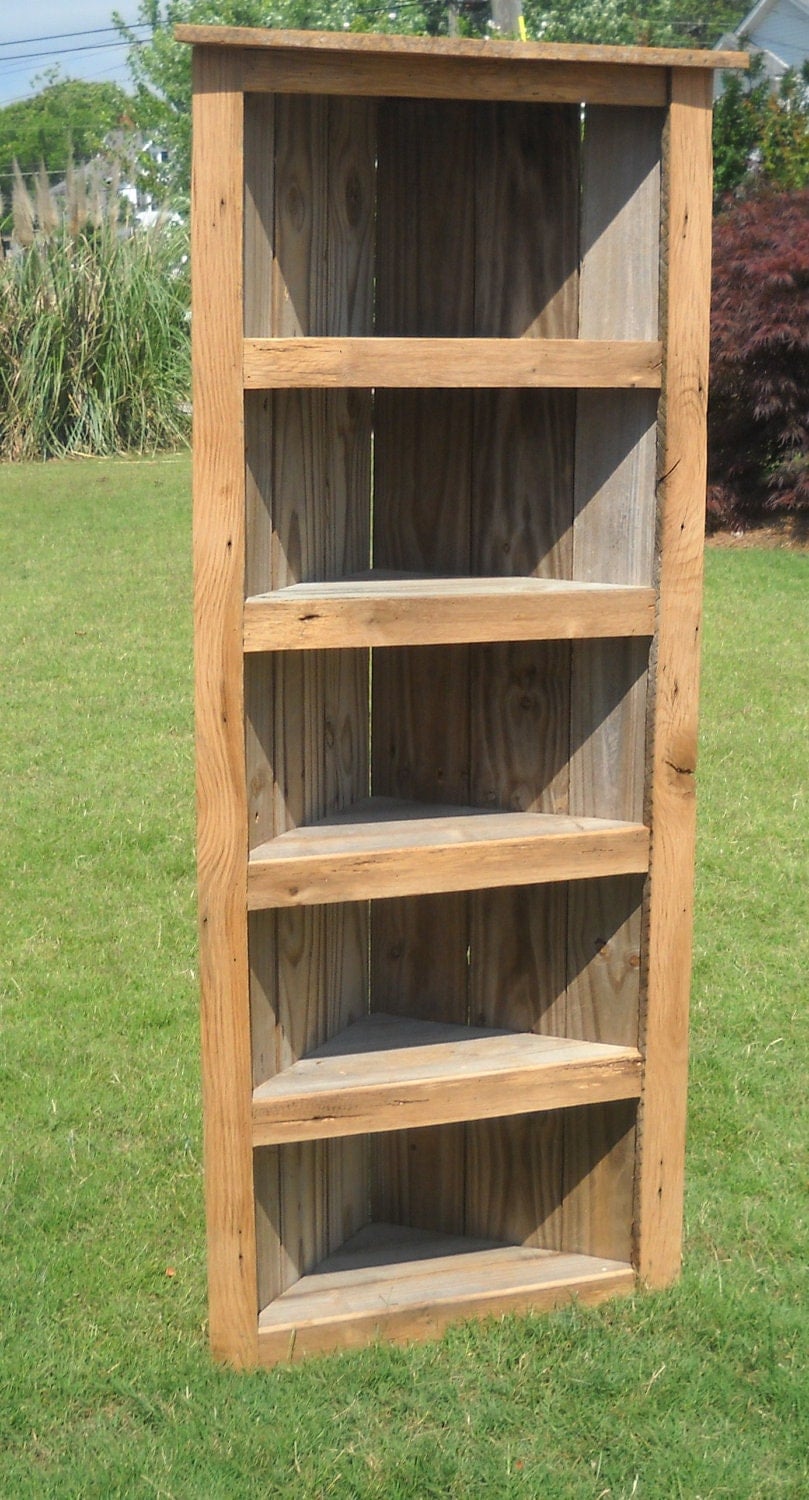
467 49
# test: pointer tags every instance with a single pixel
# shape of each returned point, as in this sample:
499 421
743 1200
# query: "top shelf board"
370 44
374 66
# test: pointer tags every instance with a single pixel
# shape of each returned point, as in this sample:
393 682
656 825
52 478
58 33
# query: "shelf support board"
384 847
432 612
407 1284
389 1073
451 363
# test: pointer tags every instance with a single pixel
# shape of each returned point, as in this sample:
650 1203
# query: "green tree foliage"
761 135
161 68
659 23
67 118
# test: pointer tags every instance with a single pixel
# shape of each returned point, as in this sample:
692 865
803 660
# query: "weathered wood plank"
217 189
385 45
422 461
526 289
415 612
413 849
315 706
613 540
688 247
387 1073
404 1285
454 363
555 81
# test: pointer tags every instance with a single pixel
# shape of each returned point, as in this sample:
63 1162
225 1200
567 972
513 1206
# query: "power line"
60 36
63 51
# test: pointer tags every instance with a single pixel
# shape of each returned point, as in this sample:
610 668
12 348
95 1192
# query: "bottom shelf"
409 1284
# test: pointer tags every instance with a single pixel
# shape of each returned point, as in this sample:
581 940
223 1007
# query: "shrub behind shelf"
758 421
93 331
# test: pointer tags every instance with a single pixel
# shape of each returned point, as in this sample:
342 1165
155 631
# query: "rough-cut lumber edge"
451 363
430 612
217 189
405 1285
674 733
381 46
389 1072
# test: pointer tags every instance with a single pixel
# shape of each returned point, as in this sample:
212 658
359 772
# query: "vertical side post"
681 525
219 481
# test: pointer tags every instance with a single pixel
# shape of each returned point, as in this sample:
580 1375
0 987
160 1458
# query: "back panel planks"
310 249
422 481
613 540
522 507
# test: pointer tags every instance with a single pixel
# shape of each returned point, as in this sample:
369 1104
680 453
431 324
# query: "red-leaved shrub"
758 417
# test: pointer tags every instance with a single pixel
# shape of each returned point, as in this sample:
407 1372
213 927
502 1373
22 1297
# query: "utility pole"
507 18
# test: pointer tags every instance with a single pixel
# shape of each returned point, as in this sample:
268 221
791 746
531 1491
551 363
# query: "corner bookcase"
450 327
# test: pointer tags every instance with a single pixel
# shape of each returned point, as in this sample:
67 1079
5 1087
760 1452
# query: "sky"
23 55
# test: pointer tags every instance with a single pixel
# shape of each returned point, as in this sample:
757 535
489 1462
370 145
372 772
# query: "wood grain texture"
406 1285
452 363
613 540
386 848
381 46
311 238
688 246
417 974
514 1179
422 478
417 612
599 1162
389 1073
517 967
417 1178
217 188
259 228
434 77
526 287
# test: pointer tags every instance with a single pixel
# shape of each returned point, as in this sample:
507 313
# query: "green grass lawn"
106 1387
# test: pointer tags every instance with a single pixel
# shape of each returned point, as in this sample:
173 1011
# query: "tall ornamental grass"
94 329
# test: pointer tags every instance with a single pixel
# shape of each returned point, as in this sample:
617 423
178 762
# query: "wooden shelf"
431 329
389 1072
382 846
407 1284
441 363
386 610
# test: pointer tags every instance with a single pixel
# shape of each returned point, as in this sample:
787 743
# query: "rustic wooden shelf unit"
450 361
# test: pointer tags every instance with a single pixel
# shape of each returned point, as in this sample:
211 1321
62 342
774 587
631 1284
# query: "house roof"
760 13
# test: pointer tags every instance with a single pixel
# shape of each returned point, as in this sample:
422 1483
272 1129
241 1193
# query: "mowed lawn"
106 1386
